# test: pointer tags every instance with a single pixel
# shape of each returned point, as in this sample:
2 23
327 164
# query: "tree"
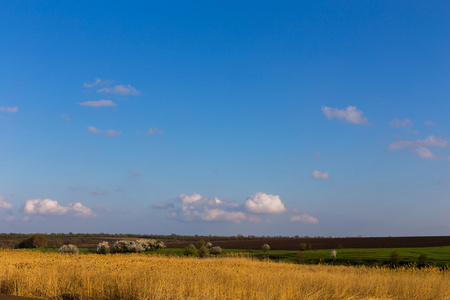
423 259
395 258
203 251
37 240
190 250
265 247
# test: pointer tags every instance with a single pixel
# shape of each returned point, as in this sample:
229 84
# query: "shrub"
150 244
69 249
265 247
302 247
200 243
215 250
190 250
37 240
203 251
333 254
300 257
423 259
103 247
125 246
395 258
208 245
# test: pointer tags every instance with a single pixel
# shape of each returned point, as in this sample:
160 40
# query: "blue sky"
225 117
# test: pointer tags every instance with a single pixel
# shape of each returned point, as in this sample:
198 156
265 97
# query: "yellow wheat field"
138 276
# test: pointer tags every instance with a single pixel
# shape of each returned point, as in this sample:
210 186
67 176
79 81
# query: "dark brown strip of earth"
9 297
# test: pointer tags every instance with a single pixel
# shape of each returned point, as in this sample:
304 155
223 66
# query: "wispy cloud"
94 130
99 103
420 146
305 219
98 82
99 193
429 123
108 133
4 204
9 109
112 133
152 131
425 153
66 118
262 203
396 123
429 141
51 207
317 155
133 173
350 114
321 175
120 90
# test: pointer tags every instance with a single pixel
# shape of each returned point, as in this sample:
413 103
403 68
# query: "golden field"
140 276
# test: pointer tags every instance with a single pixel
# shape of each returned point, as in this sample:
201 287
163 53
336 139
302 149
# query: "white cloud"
188 199
429 141
195 207
99 103
425 153
108 133
217 214
66 117
429 123
321 175
51 207
98 81
4 204
304 218
261 203
9 109
351 114
120 90
396 123
152 131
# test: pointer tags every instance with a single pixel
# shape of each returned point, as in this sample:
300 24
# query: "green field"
438 256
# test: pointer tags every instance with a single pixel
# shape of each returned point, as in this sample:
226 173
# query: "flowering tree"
333 254
69 249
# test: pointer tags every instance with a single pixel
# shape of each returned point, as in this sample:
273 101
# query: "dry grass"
136 276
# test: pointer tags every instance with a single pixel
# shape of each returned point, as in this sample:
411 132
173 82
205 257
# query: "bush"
395 258
215 250
302 247
265 247
208 245
203 251
333 254
423 259
37 240
69 249
200 243
103 248
190 250
125 246
150 244
300 257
